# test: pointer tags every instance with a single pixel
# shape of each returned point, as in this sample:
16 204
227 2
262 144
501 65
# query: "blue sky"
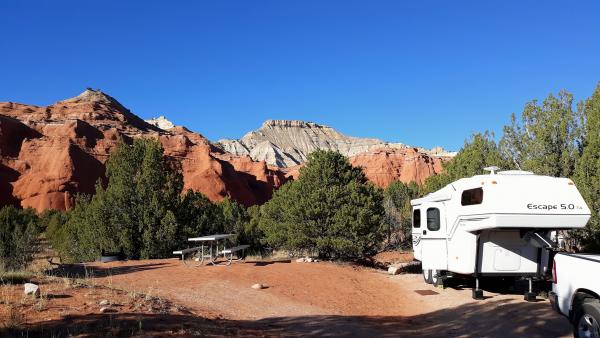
425 73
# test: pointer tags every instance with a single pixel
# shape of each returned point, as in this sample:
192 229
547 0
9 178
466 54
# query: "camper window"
433 219
472 196
417 218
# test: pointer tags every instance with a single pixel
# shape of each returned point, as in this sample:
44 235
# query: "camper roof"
443 194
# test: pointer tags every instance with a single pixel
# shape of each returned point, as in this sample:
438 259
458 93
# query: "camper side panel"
505 252
461 252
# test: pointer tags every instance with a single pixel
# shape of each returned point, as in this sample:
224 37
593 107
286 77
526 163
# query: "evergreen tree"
134 213
479 152
547 140
587 173
18 234
234 218
198 216
398 213
330 210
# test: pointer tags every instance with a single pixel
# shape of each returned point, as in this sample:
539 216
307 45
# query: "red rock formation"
388 164
50 154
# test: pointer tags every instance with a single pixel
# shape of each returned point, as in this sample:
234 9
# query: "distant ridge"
286 143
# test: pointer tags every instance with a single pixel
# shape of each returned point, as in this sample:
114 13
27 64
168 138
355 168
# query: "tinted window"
472 196
417 218
433 219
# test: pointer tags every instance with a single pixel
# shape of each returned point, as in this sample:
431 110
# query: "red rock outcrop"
50 154
388 164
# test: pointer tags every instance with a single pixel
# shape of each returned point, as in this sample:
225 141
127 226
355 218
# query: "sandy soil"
322 299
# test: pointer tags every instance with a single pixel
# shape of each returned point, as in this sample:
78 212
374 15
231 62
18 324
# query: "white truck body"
573 274
576 291
495 224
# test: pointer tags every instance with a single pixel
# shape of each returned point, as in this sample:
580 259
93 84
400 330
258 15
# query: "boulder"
394 270
259 286
107 309
31 289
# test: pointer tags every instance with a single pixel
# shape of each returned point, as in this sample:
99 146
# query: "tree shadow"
93 271
498 318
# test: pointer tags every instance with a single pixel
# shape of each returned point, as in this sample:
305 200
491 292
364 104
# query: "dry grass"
15 318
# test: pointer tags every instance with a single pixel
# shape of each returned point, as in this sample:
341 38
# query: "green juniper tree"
134 213
18 235
398 213
330 210
587 172
479 152
547 139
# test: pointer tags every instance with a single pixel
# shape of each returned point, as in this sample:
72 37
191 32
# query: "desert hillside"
51 154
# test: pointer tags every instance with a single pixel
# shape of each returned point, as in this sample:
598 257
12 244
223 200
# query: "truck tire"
436 277
586 322
427 276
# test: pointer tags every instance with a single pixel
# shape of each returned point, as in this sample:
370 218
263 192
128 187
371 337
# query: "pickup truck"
576 291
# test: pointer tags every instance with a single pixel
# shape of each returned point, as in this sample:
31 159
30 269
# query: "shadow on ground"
492 319
87 271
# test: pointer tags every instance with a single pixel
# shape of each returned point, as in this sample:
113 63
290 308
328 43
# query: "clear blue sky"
424 73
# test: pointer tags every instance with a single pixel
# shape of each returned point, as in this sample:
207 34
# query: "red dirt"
322 299
387 258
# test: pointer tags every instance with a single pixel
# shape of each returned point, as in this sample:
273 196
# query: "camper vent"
491 169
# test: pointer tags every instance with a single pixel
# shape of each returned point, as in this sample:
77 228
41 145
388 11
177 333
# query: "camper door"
434 252
416 232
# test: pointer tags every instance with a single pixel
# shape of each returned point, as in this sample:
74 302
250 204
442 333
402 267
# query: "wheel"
436 277
586 322
427 276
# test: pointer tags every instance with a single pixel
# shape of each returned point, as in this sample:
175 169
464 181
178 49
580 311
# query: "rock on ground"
31 289
259 286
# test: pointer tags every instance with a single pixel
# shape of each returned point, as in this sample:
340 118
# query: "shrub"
330 210
398 214
18 234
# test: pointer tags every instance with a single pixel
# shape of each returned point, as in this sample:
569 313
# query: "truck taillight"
554 277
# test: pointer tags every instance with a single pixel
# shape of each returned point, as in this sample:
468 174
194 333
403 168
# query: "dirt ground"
165 297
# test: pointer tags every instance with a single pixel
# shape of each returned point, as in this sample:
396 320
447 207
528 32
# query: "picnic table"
211 247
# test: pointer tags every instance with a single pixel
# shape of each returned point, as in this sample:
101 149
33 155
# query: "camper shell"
500 224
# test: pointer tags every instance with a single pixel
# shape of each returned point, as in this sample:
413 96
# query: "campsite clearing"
303 299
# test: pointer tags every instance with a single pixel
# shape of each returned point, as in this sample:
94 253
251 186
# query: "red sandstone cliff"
385 165
50 154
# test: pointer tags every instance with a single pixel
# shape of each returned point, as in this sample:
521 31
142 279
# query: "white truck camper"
500 224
